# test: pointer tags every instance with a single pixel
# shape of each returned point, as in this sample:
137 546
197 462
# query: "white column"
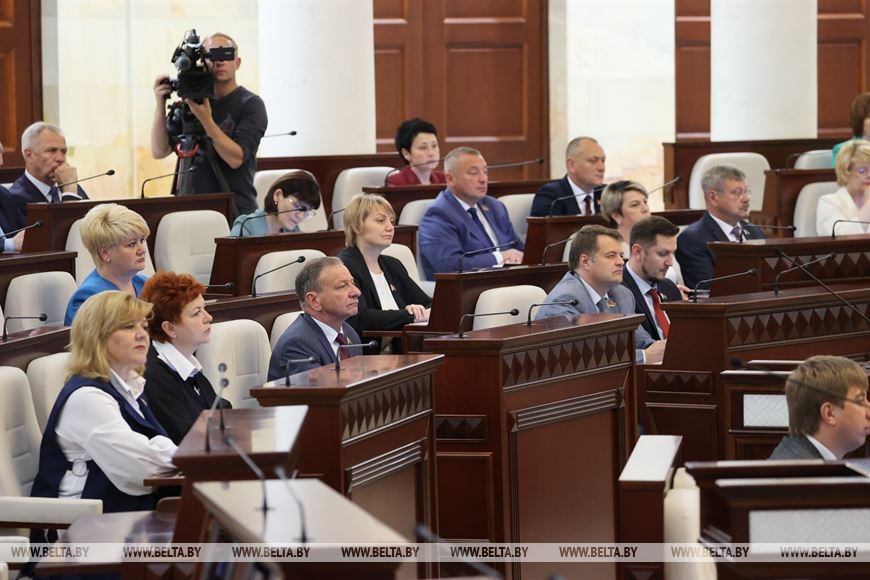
317 76
763 69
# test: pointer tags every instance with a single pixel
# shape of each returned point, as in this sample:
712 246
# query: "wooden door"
477 69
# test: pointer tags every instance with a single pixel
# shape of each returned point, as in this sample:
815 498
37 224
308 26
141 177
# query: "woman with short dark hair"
417 143
293 198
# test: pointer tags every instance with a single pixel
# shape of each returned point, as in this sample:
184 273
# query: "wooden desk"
401 195
525 416
235 258
22 347
13 265
782 187
370 433
57 218
849 265
684 395
544 231
329 519
265 308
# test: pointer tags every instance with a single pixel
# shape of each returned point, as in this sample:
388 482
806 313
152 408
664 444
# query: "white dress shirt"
727 229
385 294
185 366
826 453
331 335
644 287
581 196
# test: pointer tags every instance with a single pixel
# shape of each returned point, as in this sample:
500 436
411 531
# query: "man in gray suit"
597 265
828 412
328 297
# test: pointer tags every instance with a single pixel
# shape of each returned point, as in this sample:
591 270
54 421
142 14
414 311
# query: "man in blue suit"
727 198
328 297
46 170
579 192
464 219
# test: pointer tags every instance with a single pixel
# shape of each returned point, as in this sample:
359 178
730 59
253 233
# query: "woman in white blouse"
852 200
101 440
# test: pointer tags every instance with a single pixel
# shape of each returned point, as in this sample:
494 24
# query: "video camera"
194 79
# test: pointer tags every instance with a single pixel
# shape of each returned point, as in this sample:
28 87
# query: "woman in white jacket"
852 200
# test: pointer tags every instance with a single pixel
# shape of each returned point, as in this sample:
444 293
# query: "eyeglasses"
736 192
307 212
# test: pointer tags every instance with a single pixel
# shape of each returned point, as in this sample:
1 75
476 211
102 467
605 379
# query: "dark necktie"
587 205
472 211
737 232
661 317
54 192
343 353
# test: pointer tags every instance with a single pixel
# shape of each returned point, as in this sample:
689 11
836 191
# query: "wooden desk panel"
13 265
235 258
782 187
850 265
59 217
265 308
22 347
524 416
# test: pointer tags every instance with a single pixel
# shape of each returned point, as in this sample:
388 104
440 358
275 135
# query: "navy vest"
53 463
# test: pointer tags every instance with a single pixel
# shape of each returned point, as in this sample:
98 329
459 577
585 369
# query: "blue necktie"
472 211
55 194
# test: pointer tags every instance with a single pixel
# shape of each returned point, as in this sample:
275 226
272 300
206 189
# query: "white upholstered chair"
752 164
46 375
815 159
20 438
504 299
84 262
519 206
263 180
404 254
413 211
243 346
280 325
39 293
185 242
282 280
350 183
806 205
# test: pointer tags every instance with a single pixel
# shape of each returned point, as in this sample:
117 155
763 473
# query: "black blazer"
560 188
370 316
23 192
8 213
668 292
173 401
696 259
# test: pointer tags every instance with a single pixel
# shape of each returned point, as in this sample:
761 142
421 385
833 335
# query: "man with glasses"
828 413
727 198
234 121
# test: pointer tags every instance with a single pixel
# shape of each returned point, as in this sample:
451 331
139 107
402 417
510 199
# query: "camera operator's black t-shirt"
241 115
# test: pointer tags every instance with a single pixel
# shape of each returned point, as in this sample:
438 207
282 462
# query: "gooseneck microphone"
766 227
827 288
175 173
13 233
294 361
572 302
369 344
285 134
482 569
282 475
548 246
227 286
262 217
538 161
665 185
749 272
395 169
231 441
332 213
834 227
298 260
512 312
489 250
60 186
792 269
42 318
557 200
220 394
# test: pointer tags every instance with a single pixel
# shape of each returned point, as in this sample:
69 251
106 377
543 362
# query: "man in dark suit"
828 412
8 218
46 169
653 243
596 265
727 198
464 219
328 297
582 185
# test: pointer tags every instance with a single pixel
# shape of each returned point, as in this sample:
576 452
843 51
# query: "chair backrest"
40 292
503 299
280 325
84 263
752 164
519 206
46 375
413 211
243 346
404 254
283 280
19 434
806 205
815 159
185 242
350 183
263 180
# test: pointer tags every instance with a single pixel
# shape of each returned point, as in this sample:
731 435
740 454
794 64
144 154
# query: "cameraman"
234 121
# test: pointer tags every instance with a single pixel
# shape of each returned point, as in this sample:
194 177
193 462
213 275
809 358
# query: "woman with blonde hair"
389 298
101 440
852 200
116 238
623 204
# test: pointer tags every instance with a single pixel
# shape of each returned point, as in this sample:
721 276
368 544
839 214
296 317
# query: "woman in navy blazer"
389 297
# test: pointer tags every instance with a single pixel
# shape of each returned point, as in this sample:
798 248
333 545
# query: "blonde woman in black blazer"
389 297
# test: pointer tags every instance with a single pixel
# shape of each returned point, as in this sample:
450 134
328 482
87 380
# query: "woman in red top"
417 143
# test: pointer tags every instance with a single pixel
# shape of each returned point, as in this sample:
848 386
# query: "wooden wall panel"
20 73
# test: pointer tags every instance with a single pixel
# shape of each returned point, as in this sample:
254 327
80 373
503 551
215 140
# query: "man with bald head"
579 192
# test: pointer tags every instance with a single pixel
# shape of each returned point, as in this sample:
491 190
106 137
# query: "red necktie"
661 317
343 353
